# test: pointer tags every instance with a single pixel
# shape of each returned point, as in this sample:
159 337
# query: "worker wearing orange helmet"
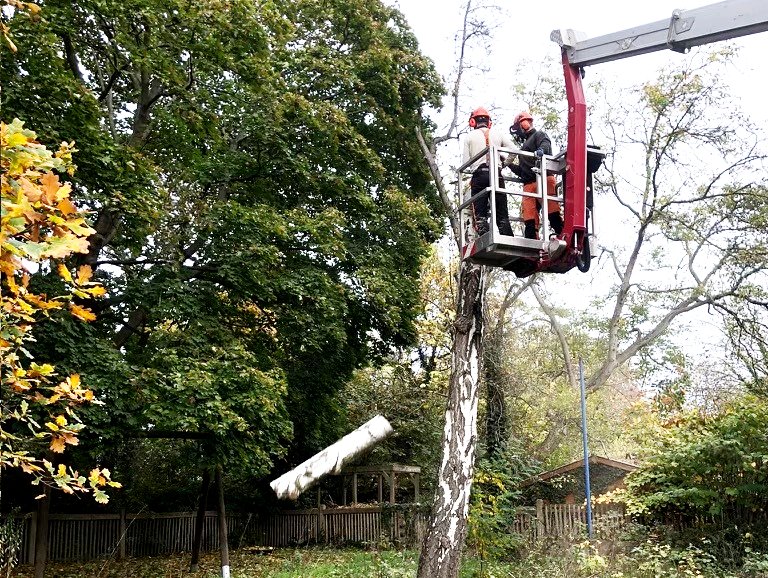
477 140
538 143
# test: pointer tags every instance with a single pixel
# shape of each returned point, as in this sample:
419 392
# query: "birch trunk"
447 528
332 459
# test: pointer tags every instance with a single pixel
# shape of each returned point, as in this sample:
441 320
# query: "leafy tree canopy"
260 205
699 466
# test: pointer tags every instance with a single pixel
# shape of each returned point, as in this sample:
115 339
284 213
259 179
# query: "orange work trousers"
530 205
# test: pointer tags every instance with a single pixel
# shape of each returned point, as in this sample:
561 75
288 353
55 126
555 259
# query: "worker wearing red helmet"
480 138
537 142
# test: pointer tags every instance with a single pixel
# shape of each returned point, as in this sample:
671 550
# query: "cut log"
332 459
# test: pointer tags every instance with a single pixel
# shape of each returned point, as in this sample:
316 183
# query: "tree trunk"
495 404
222 515
447 528
332 459
41 538
200 521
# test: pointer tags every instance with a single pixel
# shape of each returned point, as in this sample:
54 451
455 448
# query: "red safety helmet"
525 115
479 113
515 129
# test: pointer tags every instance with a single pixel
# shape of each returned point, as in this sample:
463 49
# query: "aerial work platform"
515 252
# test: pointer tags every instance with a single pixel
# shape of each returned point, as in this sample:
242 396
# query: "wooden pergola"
385 474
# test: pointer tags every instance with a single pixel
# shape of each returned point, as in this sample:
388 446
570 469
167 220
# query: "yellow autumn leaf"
52 426
81 312
61 420
84 273
66 207
41 303
16 139
63 247
12 287
97 291
58 445
50 184
30 468
63 192
79 227
64 273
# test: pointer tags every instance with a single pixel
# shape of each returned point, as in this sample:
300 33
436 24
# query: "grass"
300 563
555 560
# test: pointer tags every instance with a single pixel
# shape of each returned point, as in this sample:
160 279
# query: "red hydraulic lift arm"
575 217
684 30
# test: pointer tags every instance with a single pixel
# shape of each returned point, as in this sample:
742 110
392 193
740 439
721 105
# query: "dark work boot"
530 229
505 228
556 223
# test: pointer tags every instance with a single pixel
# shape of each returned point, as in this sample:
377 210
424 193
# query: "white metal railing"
548 165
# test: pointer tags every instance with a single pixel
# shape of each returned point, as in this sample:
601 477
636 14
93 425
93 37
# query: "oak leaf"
81 312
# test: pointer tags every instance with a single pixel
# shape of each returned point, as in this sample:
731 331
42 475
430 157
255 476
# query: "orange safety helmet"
478 113
515 129
525 115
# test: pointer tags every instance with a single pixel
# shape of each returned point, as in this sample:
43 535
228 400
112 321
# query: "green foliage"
706 467
496 494
11 534
260 201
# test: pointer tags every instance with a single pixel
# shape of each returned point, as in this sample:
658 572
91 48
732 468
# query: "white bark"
332 459
447 528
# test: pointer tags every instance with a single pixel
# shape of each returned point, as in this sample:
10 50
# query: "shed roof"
625 466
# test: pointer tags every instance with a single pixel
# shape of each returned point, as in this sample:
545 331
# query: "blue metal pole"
586 448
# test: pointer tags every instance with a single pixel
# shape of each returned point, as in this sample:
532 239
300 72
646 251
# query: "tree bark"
496 414
222 515
496 404
41 538
447 527
200 521
332 459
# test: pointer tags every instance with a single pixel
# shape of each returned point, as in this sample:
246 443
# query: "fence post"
539 518
31 538
322 528
123 529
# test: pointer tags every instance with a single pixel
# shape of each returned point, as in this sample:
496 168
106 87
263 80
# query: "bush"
705 469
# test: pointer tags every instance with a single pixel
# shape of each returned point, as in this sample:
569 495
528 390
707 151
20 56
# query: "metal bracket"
678 25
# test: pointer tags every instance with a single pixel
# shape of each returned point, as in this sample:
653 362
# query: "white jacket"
474 143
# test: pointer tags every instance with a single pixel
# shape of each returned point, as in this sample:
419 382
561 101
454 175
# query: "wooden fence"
568 520
85 537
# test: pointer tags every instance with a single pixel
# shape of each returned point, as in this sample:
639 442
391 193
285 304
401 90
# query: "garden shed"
565 484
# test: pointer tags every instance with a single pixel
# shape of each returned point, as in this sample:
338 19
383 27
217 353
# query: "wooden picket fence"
568 521
86 537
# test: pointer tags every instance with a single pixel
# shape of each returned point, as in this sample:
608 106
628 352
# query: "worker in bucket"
478 139
538 143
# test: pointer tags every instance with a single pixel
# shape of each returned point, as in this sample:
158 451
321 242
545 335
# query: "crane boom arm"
684 30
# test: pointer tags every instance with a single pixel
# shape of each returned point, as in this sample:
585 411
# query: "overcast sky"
523 31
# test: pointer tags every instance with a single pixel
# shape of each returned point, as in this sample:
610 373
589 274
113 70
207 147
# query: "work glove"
539 153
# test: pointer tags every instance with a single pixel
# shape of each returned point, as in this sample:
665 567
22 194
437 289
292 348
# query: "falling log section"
332 459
